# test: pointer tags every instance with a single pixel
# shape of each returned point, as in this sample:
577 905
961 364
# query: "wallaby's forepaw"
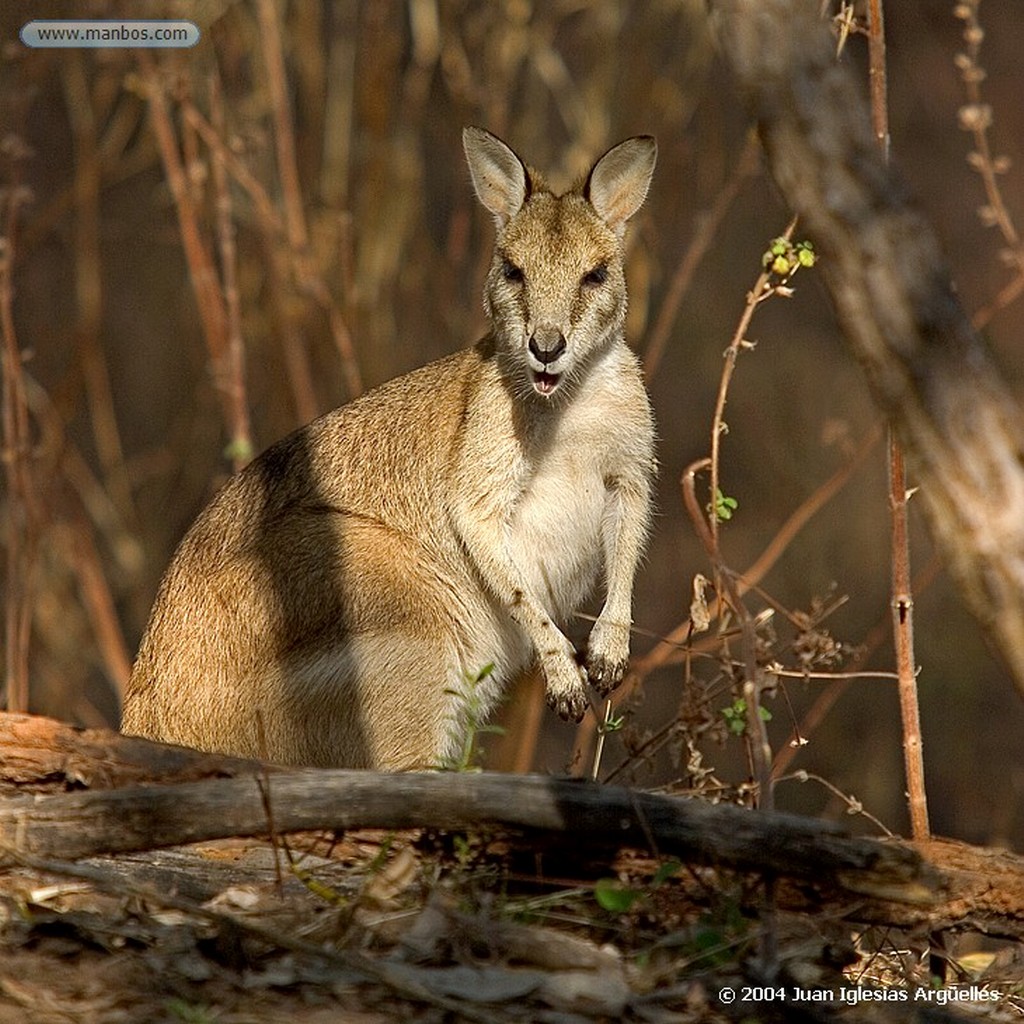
571 706
605 675
607 656
567 689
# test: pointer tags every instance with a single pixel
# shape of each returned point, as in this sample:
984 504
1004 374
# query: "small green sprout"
469 723
784 258
612 724
736 716
724 506
617 897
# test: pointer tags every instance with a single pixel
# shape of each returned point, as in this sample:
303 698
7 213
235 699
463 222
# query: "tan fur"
326 602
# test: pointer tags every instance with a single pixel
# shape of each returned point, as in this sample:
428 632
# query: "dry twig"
23 514
902 595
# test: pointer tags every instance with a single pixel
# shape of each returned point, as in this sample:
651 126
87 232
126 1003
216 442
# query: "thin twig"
249 183
758 744
90 511
301 268
877 76
23 511
757 733
761 291
794 673
284 133
760 749
602 734
853 805
98 602
198 257
902 597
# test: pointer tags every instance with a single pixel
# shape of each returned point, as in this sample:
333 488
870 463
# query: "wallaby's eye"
597 276
512 273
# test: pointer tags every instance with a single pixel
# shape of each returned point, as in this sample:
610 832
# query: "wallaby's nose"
547 345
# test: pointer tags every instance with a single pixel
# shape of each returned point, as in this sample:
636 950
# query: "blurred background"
206 248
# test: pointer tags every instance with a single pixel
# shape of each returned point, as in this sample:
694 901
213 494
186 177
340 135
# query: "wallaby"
338 596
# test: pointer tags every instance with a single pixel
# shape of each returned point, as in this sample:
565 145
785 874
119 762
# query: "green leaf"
665 872
615 897
805 254
736 716
612 724
724 506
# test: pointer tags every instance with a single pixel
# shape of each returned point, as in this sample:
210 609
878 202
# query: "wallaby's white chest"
555 529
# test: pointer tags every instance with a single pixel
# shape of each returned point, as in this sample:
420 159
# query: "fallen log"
937 885
75 825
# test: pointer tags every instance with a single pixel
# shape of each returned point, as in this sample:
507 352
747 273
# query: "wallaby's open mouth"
545 383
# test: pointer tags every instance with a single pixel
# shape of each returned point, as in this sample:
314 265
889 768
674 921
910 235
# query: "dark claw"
605 675
571 707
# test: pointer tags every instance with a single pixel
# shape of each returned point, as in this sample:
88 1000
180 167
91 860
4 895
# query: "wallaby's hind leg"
380 700
368 686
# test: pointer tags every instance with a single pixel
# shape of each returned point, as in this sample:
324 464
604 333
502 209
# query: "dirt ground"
378 927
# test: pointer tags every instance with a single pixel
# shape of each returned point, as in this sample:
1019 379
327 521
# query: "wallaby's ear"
619 181
499 176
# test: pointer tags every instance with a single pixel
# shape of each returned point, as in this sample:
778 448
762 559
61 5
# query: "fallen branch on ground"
935 885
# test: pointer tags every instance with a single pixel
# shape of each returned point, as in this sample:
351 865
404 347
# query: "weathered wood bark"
41 754
927 368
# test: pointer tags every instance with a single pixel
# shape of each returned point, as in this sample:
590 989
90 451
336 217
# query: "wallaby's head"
556 292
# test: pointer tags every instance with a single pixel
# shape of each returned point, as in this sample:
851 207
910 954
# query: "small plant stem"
903 633
757 733
725 581
755 297
877 76
601 734
902 596
976 118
